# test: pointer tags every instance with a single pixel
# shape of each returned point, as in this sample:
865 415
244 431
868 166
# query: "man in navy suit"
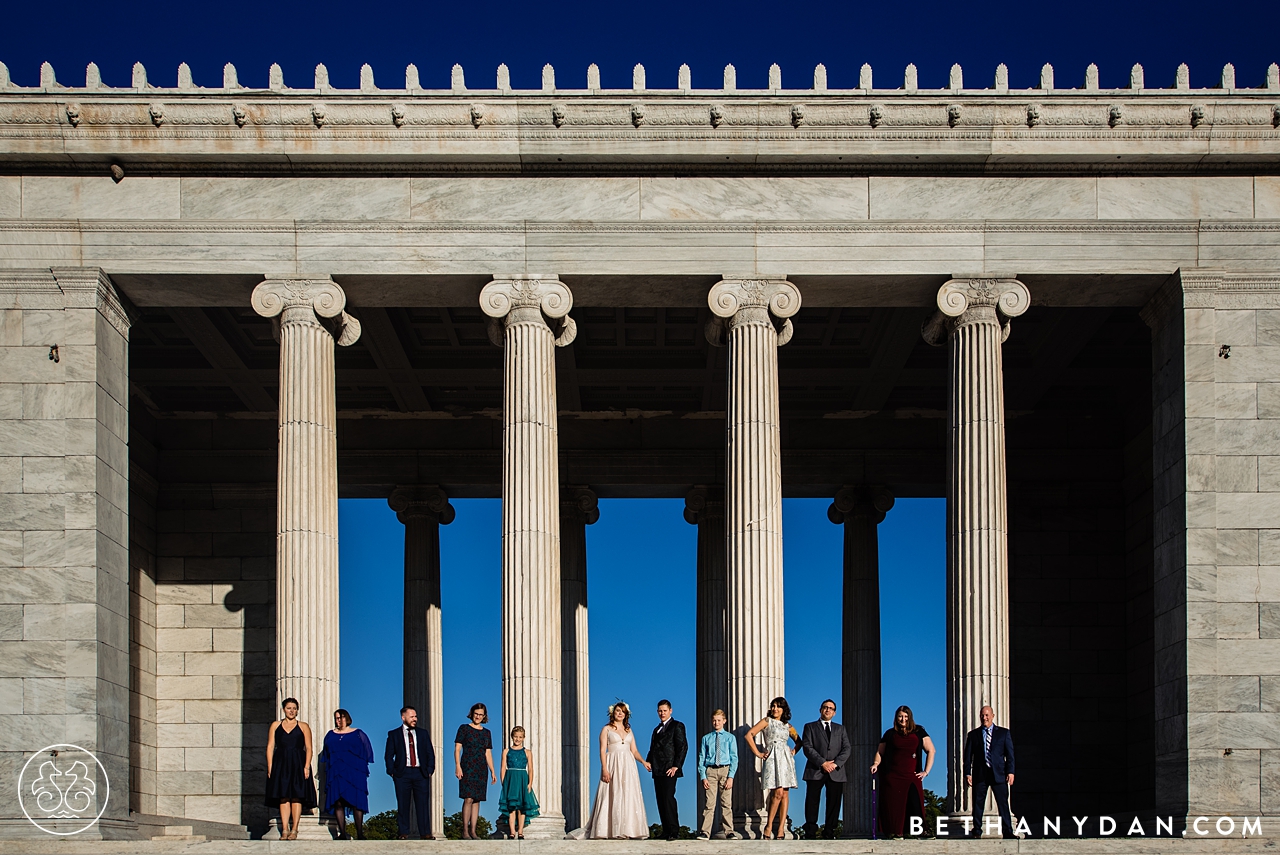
410 762
988 764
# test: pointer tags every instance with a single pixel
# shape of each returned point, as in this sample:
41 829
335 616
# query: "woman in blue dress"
347 755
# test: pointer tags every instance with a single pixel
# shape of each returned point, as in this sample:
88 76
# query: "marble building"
224 308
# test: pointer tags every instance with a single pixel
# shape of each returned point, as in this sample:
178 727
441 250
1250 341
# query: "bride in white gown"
618 812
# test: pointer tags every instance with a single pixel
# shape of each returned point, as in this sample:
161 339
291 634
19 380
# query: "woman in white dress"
778 773
618 813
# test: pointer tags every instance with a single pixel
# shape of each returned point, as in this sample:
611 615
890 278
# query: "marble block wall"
1216 359
64 574
1079 502
215 641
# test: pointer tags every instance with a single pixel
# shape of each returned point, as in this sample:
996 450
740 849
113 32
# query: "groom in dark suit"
827 749
988 764
667 750
410 762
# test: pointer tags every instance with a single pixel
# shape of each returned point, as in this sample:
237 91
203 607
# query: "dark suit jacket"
818 749
397 757
1001 752
667 749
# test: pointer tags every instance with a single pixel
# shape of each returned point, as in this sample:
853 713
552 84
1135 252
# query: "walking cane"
875 811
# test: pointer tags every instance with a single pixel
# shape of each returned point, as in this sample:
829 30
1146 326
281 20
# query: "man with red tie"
410 763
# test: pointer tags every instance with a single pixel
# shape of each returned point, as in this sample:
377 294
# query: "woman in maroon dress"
897 761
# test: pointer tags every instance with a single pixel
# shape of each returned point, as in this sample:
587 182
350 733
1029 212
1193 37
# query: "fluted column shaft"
307 493
860 510
977 533
579 508
704 507
755 312
423 510
531 606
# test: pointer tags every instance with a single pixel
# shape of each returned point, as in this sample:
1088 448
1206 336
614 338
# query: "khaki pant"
717 792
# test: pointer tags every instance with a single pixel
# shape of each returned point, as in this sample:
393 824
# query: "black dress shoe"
402 837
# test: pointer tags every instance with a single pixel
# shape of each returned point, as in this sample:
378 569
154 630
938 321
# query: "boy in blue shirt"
717 764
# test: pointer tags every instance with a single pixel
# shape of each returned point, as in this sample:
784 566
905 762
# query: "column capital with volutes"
527 298
422 500
582 502
855 500
319 301
702 503
752 300
966 300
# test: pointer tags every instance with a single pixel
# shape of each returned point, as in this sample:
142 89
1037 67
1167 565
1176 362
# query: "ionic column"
704 507
530 319
755 315
860 510
423 509
970 322
579 508
310 319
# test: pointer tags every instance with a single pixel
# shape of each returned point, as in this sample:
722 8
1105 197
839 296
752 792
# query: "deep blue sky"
662 35
631 657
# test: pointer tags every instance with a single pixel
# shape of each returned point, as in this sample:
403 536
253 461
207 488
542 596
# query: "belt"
721 766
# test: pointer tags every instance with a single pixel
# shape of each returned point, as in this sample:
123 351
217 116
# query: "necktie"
826 725
986 745
717 749
413 754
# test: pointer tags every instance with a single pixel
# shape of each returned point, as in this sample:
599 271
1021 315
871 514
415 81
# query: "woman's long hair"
626 721
911 719
786 709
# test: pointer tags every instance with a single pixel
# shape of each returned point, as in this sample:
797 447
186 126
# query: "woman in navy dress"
472 757
901 777
347 755
289 783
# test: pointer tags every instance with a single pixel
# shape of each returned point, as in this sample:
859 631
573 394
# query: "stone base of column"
545 828
309 828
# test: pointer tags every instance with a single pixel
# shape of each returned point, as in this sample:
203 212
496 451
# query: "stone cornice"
64 288
1208 288
411 130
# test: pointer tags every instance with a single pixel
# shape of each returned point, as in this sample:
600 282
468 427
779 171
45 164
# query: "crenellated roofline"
502 85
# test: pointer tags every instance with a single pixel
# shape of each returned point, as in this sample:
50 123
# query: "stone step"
196 845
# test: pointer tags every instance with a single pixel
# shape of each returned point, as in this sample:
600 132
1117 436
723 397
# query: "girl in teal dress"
517 799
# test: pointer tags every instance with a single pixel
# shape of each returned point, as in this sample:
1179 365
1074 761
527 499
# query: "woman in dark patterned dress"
901 777
472 757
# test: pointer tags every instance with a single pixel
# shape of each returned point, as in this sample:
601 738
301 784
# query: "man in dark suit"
667 749
988 764
410 762
826 750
